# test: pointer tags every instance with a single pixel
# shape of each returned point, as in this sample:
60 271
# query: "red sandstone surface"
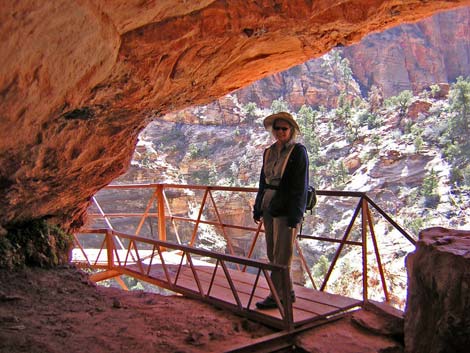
79 80
59 310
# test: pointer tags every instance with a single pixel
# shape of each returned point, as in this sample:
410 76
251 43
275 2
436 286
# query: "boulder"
417 108
437 311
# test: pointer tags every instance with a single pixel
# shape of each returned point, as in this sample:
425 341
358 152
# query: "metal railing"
160 208
148 260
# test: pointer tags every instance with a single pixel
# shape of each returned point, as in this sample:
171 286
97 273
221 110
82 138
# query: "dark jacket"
291 197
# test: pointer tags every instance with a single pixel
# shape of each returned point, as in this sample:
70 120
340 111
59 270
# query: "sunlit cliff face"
80 79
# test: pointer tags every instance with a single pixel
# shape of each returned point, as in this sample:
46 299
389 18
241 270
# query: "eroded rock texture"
80 79
437 312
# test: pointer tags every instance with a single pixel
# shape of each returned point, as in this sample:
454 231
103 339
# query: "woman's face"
282 131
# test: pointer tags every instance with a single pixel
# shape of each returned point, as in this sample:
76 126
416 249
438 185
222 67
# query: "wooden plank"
221 287
216 292
311 300
336 300
221 280
309 306
304 309
303 294
226 295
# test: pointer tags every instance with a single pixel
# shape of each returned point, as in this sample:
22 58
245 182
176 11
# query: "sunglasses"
277 128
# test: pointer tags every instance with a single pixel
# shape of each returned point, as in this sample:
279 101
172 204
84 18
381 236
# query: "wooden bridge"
225 278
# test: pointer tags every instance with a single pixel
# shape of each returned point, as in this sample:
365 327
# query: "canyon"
80 80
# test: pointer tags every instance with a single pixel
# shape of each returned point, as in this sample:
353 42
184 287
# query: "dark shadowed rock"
437 311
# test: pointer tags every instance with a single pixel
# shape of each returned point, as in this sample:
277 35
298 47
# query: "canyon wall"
407 57
80 79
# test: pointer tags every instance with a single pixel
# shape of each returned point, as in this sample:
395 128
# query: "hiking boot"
267 303
292 296
270 303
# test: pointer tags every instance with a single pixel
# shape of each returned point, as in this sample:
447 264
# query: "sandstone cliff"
79 80
407 57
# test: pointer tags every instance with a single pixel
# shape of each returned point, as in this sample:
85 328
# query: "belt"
272 187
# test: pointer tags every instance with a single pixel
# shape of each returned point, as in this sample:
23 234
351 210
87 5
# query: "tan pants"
279 246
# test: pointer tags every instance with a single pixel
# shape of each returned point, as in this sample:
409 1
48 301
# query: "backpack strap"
284 164
287 159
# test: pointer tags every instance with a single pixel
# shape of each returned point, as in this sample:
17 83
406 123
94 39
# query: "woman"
282 196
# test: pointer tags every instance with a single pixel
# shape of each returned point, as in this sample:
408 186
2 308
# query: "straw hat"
269 120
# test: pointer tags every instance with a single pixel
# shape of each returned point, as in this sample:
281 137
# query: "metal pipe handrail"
362 209
198 251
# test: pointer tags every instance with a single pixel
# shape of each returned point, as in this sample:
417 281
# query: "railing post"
199 216
377 254
364 209
161 213
110 248
106 219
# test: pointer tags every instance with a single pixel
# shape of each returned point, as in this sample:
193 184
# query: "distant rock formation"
437 311
409 57
414 56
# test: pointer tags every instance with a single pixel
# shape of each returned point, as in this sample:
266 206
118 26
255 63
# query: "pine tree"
457 150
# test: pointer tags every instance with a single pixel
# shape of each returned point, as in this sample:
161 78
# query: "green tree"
414 224
402 101
307 118
376 140
249 110
339 68
435 89
344 110
279 105
307 121
213 175
375 98
459 105
430 189
417 133
418 143
338 172
320 269
234 170
455 139
331 64
370 119
346 74
352 131
193 151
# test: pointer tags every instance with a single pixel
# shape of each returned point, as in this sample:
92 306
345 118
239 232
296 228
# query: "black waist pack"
311 198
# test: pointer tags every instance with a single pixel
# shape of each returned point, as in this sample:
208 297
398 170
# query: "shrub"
34 243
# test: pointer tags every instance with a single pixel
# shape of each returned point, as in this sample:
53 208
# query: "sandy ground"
60 310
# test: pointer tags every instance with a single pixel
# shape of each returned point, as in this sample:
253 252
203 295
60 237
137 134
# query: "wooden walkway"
228 288
309 306
217 278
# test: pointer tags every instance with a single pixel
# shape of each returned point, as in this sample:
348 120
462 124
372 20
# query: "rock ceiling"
79 79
